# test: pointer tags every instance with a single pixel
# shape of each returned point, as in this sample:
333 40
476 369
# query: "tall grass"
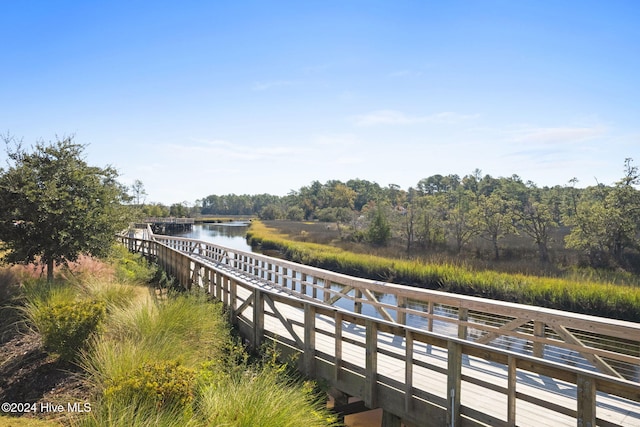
262 400
190 334
577 293
168 359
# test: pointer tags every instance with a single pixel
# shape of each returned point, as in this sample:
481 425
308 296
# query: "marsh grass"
593 294
185 335
167 359
263 399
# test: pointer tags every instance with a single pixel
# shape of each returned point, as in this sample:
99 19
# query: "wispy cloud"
558 135
222 149
336 140
394 117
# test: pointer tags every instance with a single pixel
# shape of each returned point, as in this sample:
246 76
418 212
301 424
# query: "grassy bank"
152 358
601 298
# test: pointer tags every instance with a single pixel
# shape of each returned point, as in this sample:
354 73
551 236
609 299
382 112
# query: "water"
228 234
233 235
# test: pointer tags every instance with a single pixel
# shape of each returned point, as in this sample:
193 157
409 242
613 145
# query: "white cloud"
337 139
394 117
558 135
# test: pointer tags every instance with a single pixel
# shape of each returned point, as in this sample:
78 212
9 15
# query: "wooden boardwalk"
409 355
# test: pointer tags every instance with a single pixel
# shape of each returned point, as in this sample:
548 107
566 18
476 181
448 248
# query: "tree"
462 218
139 193
606 220
535 218
379 231
495 219
55 207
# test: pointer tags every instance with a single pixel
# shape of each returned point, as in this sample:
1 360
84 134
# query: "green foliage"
606 220
583 296
131 268
173 362
379 231
66 327
55 206
295 213
165 383
271 212
263 399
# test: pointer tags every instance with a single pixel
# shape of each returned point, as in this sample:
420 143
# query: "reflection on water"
228 234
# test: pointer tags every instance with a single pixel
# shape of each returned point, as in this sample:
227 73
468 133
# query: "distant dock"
170 225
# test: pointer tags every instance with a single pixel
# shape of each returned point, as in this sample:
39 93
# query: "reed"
602 297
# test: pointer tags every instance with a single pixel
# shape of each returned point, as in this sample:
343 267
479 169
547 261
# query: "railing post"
326 294
586 401
538 331
454 383
511 392
232 300
463 316
309 340
357 305
401 315
371 364
338 346
408 372
303 283
314 290
258 318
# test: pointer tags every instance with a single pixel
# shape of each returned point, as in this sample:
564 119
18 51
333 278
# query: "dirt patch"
28 374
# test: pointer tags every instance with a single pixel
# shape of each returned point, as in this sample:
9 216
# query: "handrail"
236 278
609 346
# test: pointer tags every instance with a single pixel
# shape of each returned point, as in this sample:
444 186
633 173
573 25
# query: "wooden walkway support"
424 357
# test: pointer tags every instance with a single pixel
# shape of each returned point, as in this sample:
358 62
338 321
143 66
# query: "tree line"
602 222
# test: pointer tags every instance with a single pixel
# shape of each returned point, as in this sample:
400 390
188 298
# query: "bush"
65 327
131 268
166 384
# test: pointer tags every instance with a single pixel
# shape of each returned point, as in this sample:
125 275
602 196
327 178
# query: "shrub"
65 327
131 267
167 384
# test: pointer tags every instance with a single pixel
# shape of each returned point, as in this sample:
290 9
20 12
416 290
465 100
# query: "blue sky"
215 97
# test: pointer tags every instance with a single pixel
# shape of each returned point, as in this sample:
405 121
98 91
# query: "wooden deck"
445 369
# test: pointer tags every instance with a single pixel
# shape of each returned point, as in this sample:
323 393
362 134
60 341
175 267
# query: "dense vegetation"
151 357
55 207
581 294
475 216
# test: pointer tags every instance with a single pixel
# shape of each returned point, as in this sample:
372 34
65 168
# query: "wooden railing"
295 306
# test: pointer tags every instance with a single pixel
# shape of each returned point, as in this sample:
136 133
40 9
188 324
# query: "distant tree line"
601 222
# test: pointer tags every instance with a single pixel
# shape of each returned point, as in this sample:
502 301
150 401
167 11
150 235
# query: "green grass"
164 359
6 421
578 293
190 334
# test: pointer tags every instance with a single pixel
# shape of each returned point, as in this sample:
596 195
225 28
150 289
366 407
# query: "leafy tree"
155 210
535 218
606 220
462 218
139 193
430 226
495 219
295 213
379 231
271 212
55 207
